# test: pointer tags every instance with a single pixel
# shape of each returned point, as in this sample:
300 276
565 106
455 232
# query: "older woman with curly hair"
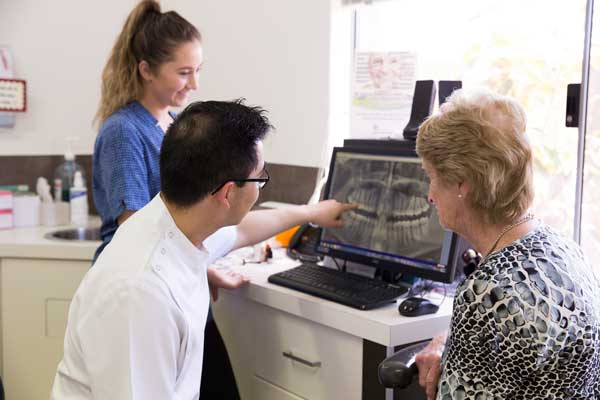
526 322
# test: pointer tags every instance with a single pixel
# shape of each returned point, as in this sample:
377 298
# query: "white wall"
275 53
59 47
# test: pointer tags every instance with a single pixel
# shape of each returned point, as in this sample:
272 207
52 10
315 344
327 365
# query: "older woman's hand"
429 363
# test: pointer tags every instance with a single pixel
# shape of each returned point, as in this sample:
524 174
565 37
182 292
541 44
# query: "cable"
337 265
421 287
443 298
417 288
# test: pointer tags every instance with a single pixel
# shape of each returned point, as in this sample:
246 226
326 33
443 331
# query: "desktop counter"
259 323
285 344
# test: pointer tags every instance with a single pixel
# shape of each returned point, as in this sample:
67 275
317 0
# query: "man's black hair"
209 143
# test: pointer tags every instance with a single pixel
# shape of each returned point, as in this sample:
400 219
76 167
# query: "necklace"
525 218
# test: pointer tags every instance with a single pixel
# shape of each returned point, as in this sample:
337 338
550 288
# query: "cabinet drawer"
307 359
265 391
35 297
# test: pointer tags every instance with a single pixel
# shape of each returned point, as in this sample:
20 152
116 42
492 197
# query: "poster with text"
382 91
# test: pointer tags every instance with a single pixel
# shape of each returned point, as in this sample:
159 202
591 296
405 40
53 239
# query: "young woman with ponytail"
152 67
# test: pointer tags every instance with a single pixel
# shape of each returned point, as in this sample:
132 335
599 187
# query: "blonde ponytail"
147 35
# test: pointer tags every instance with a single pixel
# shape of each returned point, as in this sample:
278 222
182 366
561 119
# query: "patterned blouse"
526 325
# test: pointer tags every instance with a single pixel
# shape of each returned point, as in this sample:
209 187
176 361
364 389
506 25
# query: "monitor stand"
353 267
363 270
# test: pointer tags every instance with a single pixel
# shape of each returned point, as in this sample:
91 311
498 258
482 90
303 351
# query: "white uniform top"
136 323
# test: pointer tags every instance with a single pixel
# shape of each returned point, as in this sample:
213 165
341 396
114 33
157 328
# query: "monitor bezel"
390 148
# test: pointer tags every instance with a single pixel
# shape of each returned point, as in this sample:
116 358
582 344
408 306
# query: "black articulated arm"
399 370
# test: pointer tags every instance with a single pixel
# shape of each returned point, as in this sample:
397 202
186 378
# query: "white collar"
178 260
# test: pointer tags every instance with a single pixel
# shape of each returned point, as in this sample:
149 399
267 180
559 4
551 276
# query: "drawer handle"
313 364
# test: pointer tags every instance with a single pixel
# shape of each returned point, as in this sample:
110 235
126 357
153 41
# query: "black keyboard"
342 287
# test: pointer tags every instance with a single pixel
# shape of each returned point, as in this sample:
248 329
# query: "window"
590 216
529 50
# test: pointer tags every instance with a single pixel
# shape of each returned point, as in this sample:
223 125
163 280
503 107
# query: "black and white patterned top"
526 325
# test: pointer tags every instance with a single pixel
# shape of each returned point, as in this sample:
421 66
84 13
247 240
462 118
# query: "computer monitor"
394 228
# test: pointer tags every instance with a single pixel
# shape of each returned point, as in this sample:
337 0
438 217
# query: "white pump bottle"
78 201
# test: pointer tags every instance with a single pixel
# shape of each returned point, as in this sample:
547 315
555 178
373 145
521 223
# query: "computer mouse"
417 306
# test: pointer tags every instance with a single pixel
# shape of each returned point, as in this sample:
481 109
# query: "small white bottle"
57 190
78 200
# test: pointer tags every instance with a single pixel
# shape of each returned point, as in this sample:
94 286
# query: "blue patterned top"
125 165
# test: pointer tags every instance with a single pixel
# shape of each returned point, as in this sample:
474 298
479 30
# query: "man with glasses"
136 323
260 182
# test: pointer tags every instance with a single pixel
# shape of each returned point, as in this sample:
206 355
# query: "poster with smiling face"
383 85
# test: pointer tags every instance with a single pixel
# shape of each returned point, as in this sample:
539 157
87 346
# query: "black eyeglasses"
260 182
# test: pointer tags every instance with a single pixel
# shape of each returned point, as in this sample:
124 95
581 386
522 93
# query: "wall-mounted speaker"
422 105
572 117
445 89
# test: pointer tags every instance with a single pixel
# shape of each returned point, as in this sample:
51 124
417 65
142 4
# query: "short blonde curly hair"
479 137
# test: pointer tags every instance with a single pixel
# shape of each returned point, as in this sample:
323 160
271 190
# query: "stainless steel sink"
75 234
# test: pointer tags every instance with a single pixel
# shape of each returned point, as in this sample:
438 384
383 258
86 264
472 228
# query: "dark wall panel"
289 183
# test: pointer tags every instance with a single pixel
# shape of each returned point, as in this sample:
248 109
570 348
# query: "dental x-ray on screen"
393 216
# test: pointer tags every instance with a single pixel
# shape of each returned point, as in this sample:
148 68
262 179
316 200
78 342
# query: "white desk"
38 278
262 321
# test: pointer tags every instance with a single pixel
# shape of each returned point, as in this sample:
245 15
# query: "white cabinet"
235 318
306 358
34 298
277 355
284 344
265 391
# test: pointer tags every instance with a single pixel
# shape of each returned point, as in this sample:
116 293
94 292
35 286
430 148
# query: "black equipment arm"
399 370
